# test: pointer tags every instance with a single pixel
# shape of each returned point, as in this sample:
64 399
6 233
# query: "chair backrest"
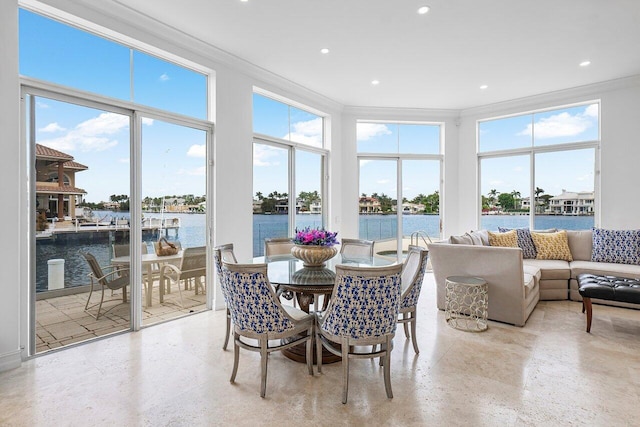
365 302
194 262
277 246
253 304
356 248
123 249
96 271
223 253
413 275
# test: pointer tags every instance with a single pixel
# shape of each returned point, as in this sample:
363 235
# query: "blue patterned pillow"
524 241
617 246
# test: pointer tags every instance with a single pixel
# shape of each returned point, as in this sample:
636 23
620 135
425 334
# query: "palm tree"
493 193
516 198
537 192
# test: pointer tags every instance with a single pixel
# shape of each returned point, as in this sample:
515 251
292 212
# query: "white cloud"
197 151
308 132
366 131
123 160
382 181
563 124
364 162
264 155
52 127
147 121
199 171
585 177
163 77
518 169
91 135
41 104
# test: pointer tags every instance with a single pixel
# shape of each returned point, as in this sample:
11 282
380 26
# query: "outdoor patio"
62 320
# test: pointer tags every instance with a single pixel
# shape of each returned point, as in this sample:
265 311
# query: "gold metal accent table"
466 302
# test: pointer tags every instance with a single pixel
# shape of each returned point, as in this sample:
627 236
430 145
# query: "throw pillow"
460 240
618 246
482 235
552 245
524 241
508 239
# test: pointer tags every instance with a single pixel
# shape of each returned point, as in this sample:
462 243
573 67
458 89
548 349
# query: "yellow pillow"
508 239
552 245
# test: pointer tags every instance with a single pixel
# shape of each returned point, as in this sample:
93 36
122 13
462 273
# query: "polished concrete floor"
549 373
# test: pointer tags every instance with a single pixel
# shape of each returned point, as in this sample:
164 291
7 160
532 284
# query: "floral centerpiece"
314 246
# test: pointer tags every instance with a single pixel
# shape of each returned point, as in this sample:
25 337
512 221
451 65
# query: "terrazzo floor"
548 373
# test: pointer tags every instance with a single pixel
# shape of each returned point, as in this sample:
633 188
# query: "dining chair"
224 253
356 248
114 278
413 270
278 246
123 249
258 315
362 311
192 265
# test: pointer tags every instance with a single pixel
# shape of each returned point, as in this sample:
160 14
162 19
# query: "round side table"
466 301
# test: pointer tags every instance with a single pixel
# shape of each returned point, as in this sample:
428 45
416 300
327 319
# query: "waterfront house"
57 197
572 203
369 205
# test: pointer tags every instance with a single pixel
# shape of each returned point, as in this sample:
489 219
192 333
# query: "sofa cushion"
580 244
616 246
532 270
524 241
529 284
550 269
554 246
604 268
507 240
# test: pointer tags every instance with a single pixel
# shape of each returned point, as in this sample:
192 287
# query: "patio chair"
363 311
356 248
277 246
224 253
114 278
258 315
192 266
412 276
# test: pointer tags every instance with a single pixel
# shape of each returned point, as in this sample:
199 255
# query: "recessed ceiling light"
585 63
324 50
484 87
244 1
375 82
424 9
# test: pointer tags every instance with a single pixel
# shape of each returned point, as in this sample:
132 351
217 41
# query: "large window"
289 166
117 160
538 169
399 183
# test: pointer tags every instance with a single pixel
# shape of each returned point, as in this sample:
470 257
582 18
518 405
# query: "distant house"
572 203
409 208
56 191
369 205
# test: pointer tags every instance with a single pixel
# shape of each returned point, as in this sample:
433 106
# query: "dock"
75 229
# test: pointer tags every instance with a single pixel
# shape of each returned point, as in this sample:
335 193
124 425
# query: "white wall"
11 188
620 150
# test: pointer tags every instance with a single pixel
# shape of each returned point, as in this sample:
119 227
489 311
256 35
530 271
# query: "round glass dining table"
306 284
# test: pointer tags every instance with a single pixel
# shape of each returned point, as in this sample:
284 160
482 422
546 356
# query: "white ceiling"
438 60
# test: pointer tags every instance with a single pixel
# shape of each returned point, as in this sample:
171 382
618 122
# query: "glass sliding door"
271 194
80 183
309 188
173 197
378 202
421 201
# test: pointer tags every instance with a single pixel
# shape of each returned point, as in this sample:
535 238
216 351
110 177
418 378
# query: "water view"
192 233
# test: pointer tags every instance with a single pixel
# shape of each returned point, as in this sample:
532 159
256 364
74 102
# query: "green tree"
506 201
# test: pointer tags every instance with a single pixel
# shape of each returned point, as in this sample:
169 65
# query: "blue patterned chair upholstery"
362 311
257 314
412 276
224 253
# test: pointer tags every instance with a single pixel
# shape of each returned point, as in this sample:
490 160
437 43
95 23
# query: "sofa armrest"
500 267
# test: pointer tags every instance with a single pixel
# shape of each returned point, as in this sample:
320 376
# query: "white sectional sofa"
516 285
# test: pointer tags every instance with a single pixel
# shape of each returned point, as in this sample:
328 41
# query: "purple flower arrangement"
315 237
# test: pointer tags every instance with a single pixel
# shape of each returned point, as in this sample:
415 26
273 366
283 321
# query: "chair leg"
413 332
345 370
100 305
318 350
236 357
264 358
310 339
406 326
387 368
226 337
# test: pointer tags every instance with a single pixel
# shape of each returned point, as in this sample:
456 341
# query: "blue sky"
173 159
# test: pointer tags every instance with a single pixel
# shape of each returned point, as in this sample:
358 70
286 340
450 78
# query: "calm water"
192 233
